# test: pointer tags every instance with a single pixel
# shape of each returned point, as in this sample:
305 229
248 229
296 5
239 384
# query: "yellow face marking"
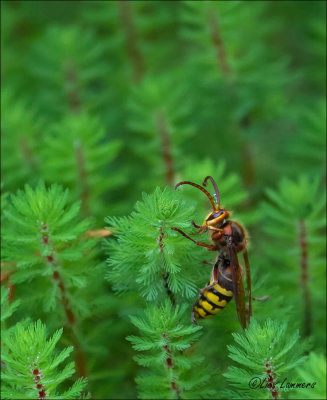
204 223
215 299
215 221
221 217
221 290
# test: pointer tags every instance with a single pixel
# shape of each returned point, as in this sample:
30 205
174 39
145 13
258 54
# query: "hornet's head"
218 214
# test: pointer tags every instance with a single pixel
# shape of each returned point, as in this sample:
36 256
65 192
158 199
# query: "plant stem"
165 275
75 106
72 92
271 378
243 124
307 328
170 364
134 54
218 45
166 149
82 177
37 377
169 292
70 316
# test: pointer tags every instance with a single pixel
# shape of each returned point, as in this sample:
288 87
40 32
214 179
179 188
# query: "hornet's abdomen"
216 295
211 301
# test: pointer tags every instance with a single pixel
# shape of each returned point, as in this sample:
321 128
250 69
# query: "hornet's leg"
263 298
207 288
206 227
202 227
212 228
193 319
208 246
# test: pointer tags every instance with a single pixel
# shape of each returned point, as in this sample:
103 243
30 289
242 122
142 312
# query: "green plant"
148 257
174 369
295 223
76 149
113 99
42 237
31 365
21 127
267 352
66 70
7 308
312 371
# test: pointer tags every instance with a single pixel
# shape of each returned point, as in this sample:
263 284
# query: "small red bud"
42 394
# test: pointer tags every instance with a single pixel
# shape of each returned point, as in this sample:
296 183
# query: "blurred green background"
111 99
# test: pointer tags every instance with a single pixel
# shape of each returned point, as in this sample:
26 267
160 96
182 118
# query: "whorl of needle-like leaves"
175 370
67 71
312 371
41 236
77 154
295 221
20 143
149 258
30 365
266 353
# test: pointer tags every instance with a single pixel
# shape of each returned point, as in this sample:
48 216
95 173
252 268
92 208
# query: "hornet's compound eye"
218 214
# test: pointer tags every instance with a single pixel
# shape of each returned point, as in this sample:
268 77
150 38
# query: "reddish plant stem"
166 149
169 292
37 377
218 45
165 275
125 11
72 91
75 106
248 172
307 328
80 359
65 302
271 378
246 152
70 316
82 177
170 364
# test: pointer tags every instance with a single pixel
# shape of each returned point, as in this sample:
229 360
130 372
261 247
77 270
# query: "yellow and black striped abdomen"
212 300
218 293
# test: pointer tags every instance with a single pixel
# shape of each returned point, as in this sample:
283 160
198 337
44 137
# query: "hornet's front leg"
208 246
